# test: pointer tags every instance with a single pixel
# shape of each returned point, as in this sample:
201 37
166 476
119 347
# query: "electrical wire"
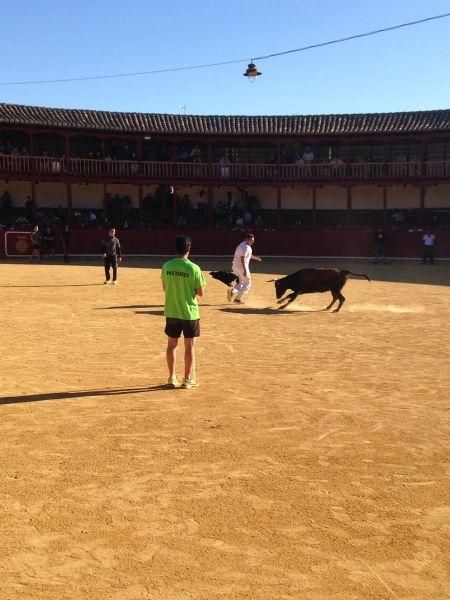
228 62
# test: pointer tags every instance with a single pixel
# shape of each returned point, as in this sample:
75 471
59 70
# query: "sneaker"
230 293
105 283
237 301
173 381
188 383
114 282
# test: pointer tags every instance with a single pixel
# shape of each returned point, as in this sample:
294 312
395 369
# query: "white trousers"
244 284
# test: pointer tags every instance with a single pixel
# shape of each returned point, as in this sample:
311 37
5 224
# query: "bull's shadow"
267 311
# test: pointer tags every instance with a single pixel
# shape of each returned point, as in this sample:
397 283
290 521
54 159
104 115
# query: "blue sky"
408 69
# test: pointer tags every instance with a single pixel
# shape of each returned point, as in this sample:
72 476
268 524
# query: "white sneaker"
114 282
231 292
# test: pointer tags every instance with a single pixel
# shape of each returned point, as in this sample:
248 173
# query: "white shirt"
429 239
245 251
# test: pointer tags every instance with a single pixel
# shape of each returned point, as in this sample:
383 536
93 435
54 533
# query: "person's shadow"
82 394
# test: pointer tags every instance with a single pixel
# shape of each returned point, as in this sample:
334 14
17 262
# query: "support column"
349 204
69 203
33 199
175 207
423 191
141 203
384 205
210 206
105 207
279 215
67 145
314 205
139 150
424 158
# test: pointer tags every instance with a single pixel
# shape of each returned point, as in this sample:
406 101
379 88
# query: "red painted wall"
350 242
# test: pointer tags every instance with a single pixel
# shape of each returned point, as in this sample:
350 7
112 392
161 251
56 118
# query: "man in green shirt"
182 282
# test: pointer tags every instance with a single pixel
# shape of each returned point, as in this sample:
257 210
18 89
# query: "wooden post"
105 206
384 205
279 214
175 207
314 205
423 191
33 199
424 158
139 150
210 206
69 202
141 202
349 204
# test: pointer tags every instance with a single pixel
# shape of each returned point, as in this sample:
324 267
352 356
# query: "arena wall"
438 196
51 195
403 197
18 190
368 197
334 243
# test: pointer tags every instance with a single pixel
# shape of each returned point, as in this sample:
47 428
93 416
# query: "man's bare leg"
171 357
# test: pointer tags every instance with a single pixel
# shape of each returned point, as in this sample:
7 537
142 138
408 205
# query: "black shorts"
174 328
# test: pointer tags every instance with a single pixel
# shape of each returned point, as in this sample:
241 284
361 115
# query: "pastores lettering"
177 273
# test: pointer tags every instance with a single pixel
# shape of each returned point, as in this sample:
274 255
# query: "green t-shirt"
181 278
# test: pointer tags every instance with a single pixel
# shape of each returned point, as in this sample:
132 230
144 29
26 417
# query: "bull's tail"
357 274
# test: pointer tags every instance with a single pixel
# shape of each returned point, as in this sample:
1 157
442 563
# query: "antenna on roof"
182 107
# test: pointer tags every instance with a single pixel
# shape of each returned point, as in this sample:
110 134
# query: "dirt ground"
309 464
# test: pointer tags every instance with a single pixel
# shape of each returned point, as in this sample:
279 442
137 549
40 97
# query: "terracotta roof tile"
152 123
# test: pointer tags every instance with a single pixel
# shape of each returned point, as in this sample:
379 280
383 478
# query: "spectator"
429 240
195 154
308 156
259 221
398 217
248 218
6 199
224 167
201 202
49 241
21 223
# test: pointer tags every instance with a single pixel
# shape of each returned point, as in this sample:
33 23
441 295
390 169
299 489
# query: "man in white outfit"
241 268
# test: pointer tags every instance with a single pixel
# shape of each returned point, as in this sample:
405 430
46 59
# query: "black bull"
310 281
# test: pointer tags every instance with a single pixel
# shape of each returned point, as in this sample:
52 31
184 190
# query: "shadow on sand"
52 285
268 311
81 394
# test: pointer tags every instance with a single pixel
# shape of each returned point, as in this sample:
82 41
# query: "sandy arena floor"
310 463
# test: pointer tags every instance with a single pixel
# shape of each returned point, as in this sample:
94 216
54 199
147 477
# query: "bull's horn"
270 280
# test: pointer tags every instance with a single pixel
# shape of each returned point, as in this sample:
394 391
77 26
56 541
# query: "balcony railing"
169 172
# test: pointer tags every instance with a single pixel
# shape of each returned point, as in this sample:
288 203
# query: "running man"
182 282
112 255
241 268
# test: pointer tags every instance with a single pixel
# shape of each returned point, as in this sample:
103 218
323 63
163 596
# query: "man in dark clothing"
112 255
65 238
379 240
